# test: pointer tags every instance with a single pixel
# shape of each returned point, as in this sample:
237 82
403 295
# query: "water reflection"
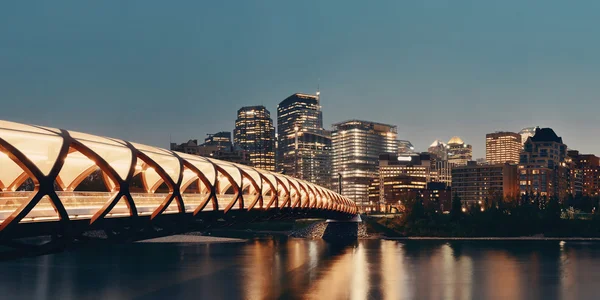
311 269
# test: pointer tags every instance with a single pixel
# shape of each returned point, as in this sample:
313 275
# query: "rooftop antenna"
318 91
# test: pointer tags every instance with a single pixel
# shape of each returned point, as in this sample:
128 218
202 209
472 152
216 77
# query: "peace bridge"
64 181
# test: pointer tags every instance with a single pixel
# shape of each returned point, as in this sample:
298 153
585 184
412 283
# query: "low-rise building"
217 146
477 184
438 196
399 181
585 172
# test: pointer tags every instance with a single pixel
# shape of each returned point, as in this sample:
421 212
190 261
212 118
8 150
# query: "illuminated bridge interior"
49 174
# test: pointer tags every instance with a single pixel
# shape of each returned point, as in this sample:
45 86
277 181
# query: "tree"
417 210
552 211
456 210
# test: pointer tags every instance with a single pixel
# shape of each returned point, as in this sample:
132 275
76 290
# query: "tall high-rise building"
502 147
527 133
441 169
459 153
405 147
542 168
303 145
254 133
356 149
439 150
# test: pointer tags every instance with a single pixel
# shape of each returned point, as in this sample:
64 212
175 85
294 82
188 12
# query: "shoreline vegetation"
529 218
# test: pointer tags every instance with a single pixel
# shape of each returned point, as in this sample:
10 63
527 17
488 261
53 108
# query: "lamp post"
296 129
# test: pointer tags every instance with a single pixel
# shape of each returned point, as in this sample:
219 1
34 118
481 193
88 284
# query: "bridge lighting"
154 167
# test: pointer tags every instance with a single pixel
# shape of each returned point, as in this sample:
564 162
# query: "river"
281 268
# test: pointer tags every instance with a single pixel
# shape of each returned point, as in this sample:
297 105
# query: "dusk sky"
144 70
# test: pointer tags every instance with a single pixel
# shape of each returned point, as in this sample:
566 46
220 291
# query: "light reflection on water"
311 269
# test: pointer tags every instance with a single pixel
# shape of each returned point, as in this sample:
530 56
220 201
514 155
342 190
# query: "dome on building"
455 141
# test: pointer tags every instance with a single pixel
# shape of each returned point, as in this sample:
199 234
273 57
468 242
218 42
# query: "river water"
311 269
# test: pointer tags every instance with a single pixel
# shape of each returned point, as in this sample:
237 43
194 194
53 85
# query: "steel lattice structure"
42 170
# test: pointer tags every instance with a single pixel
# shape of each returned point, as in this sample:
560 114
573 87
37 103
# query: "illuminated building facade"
543 166
398 181
254 133
459 153
304 147
405 147
502 147
476 184
220 139
586 168
356 149
441 171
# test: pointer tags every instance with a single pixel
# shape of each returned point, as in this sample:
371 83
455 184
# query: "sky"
149 71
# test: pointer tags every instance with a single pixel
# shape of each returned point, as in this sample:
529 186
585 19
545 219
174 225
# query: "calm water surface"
308 269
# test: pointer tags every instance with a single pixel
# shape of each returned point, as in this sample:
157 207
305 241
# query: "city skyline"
470 68
315 149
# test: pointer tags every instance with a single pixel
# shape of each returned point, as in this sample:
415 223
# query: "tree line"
529 215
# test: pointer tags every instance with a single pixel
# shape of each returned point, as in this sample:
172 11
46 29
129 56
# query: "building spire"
318 92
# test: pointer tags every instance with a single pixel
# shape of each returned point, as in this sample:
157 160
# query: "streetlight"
296 129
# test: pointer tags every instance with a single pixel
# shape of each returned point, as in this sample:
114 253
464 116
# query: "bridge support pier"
342 230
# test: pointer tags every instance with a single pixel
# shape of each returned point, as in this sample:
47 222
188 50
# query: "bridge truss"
50 175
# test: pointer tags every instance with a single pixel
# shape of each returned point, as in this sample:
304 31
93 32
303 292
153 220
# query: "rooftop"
455 141
545 135
299 97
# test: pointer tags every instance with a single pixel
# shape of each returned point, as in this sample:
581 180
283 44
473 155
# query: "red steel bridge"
54 181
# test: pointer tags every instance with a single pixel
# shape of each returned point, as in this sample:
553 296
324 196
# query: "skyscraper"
459 153
405 148
439 150
502 147
356 149
441 169
304 147
527 133
254 133
542 167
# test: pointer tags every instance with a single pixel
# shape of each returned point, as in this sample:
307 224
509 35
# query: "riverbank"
521 238
192 238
